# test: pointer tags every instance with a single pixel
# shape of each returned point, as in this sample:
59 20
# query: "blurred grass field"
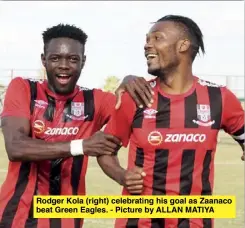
229 180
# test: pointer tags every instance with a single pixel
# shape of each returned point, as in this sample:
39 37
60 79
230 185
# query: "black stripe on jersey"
239 132
49 112
12 205
76 169
138 118
159 180
67 111
89 108
33 92
55 223
163 114
187 167
132 223
55 187
183 223
160 172
139 161
157 223
31 222
191 110
215 100
206 186
207 223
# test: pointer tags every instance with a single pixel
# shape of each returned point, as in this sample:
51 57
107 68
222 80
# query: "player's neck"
178 81
57 96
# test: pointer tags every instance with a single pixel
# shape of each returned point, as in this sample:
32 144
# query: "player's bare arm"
138 88
21 147
132 179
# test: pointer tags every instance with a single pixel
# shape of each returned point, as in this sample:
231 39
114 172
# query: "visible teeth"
151 56
63 75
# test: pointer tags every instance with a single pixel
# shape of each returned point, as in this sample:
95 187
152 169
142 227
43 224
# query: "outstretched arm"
21 147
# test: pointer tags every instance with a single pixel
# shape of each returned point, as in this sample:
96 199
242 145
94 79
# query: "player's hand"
100 144
138 88
133 180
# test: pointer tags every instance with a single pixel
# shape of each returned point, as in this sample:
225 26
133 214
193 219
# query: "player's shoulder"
18 82
82 88
206 83
98 93
33 80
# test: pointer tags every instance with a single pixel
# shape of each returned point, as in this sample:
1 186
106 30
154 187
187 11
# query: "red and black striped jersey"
52 118
175 142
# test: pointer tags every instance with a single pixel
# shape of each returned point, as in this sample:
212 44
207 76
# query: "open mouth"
63 78
151 57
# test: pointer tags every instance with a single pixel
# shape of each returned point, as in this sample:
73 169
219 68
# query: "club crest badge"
203 115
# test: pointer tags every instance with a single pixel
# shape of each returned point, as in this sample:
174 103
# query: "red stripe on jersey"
43 178
66 188
173 172
81 189
26 200
9 184
177 108
43 223
120 223
144 222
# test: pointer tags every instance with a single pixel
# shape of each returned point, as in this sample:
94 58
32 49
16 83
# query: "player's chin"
154 70
64 89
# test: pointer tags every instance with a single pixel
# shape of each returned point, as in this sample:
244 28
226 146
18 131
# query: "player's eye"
157 37
74 59
54 58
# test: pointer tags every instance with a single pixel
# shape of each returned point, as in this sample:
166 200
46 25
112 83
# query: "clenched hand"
133 180
100 144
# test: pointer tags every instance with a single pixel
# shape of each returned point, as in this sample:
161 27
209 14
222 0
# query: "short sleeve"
120 123
16 100
233 115
105 103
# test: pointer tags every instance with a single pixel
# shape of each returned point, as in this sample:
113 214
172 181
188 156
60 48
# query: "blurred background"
116 36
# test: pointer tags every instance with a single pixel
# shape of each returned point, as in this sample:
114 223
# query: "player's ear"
43 59
183 45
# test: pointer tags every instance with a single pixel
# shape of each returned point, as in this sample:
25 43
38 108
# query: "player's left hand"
133 180
138 88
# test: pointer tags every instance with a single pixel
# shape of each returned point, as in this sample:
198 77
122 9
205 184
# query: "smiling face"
63 59
164 47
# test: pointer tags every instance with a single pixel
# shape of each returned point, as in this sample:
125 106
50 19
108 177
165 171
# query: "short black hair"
193 31
64 31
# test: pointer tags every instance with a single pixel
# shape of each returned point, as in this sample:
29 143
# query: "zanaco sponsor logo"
185 138
62 131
